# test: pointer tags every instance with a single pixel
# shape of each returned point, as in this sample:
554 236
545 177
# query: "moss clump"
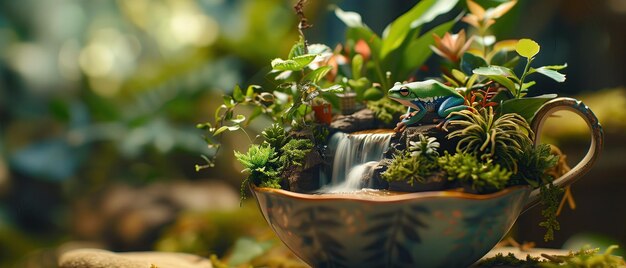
294 152
408 168
481 176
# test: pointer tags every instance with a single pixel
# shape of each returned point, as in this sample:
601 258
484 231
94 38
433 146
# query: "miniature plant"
385 109
407 168
275 136
550 197
534 162
294 152
261 162
481 176
426 147
498 138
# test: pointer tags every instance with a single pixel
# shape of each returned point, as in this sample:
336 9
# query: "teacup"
427 229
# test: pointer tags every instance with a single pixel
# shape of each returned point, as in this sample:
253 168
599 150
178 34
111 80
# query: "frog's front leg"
414 118
452 104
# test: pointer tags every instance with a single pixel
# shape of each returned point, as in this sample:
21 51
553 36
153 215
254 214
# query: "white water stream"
355 157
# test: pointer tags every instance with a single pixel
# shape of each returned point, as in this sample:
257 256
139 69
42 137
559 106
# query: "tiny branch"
303 24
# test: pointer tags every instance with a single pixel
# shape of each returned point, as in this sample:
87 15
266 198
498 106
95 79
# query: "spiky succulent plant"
485 134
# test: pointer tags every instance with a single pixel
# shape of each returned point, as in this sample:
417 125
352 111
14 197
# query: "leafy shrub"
533 163
482 176
498 138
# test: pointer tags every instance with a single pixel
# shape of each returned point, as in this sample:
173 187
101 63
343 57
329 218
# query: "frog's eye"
404 91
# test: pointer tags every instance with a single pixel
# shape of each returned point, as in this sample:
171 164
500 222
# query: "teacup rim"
394 198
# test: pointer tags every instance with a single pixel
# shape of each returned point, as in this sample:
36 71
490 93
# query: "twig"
303 24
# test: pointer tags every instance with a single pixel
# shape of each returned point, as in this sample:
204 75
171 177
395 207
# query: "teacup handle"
597 139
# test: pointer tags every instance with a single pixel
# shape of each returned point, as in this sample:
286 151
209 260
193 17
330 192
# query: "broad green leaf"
527 48
238 94
494 70
304 60
418 50
297 63
373 94
471 81
246 249
424 12
470 62
526 107
357 66
224 128
555 75
317 74
351 19
238 119
504 81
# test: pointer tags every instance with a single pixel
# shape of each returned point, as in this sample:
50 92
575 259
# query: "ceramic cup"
427 229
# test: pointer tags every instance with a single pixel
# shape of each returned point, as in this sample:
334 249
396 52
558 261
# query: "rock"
97 258
305 178
360 120
377 182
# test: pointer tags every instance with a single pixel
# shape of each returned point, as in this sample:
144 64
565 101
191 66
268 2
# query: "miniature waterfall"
355 157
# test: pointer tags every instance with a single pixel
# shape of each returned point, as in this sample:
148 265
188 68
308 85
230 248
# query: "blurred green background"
99 102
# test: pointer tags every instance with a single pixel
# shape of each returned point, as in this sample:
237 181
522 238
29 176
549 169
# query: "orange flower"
482 19
451 46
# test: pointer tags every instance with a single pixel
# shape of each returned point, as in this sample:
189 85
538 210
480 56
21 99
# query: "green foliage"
386 109
295 152
550 198
508 261
533 163
393 55
275 136
408 168
260 162
498 138
481 176
426 147
587 258
580 259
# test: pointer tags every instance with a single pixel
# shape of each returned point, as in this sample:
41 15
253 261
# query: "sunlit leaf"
250 90
228 101
317 74
297 49
296 63
459 76
333 89
555 67
494 70
555 75
527 48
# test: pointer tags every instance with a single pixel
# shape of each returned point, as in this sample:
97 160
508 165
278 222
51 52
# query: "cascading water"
355 157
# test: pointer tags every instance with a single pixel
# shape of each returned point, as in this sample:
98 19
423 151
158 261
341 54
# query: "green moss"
295 152
386 109
550 198
509 260
411 169
482 176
